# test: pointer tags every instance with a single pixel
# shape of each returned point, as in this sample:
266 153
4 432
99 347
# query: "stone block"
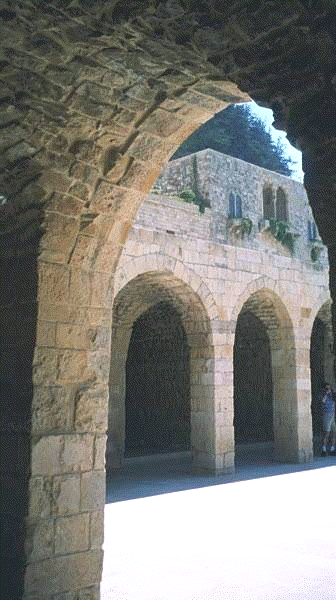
66 494
53 284
40 497
73 367
64 573
60 235
93 490
40 538
102 289
91 405
44 366
77 453
46 455
80 288
45 334
83 254
72 534
99 452
96 529
51 410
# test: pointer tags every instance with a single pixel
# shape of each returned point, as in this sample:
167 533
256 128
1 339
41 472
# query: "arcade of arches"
94 100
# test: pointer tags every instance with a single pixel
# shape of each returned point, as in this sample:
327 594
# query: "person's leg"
333 438
326 428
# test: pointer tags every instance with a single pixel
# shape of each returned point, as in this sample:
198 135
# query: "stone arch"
322 369
102 125
268 307
135 297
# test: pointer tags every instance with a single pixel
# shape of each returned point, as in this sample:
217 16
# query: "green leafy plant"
240 226
282 234
194 195
315 253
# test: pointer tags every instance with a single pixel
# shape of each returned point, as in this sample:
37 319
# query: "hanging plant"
315 253
282 234
240 226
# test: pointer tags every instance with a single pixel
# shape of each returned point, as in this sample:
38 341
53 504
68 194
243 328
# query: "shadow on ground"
163 474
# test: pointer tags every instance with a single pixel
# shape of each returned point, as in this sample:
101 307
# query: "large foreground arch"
94 100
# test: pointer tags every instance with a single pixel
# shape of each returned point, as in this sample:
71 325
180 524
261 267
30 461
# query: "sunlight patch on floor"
264 539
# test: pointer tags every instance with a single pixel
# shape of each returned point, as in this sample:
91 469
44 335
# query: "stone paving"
268 532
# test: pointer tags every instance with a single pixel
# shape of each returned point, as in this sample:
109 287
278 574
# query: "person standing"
328 419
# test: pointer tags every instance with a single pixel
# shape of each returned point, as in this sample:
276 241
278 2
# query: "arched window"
231 205
235 206
239 213
312 232
281 206
268 203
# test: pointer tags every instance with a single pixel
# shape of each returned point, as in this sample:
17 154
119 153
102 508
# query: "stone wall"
219 175
174 241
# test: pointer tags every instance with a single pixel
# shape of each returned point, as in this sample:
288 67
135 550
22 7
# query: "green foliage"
194 195
315 253
282 234
236 132
241 226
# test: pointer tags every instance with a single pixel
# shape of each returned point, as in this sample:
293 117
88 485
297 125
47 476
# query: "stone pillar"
224 403
69 422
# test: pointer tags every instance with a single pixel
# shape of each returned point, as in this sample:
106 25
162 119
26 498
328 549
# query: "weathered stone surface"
96 529
92 490
51 410
64 573
40 538
72 534
66 494
78 453
91 409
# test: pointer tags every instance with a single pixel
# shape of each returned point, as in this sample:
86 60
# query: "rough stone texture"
102 95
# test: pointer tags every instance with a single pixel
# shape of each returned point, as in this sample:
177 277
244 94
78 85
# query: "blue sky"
266 115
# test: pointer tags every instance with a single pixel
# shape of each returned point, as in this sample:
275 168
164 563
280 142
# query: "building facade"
221 317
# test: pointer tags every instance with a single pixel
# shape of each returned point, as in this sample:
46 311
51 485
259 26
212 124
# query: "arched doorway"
253 390
321 367
165 403
265 397
157 399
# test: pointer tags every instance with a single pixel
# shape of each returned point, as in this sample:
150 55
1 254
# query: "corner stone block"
64 574
78 453
46 455
96 529
72 534
40 538
40 496
91 409
93 490
66 494
99 452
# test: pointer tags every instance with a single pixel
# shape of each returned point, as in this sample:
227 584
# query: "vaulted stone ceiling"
103 92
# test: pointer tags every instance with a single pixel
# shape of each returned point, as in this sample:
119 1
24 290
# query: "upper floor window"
281 213
312 231
235 206
268 202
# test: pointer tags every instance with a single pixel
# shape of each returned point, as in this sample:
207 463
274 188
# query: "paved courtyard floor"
268 532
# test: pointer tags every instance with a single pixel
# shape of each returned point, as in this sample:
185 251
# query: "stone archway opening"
321 368
157 396
168 407
265 398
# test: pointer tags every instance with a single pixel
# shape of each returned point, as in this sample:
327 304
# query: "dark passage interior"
157 384
253 404
317 376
